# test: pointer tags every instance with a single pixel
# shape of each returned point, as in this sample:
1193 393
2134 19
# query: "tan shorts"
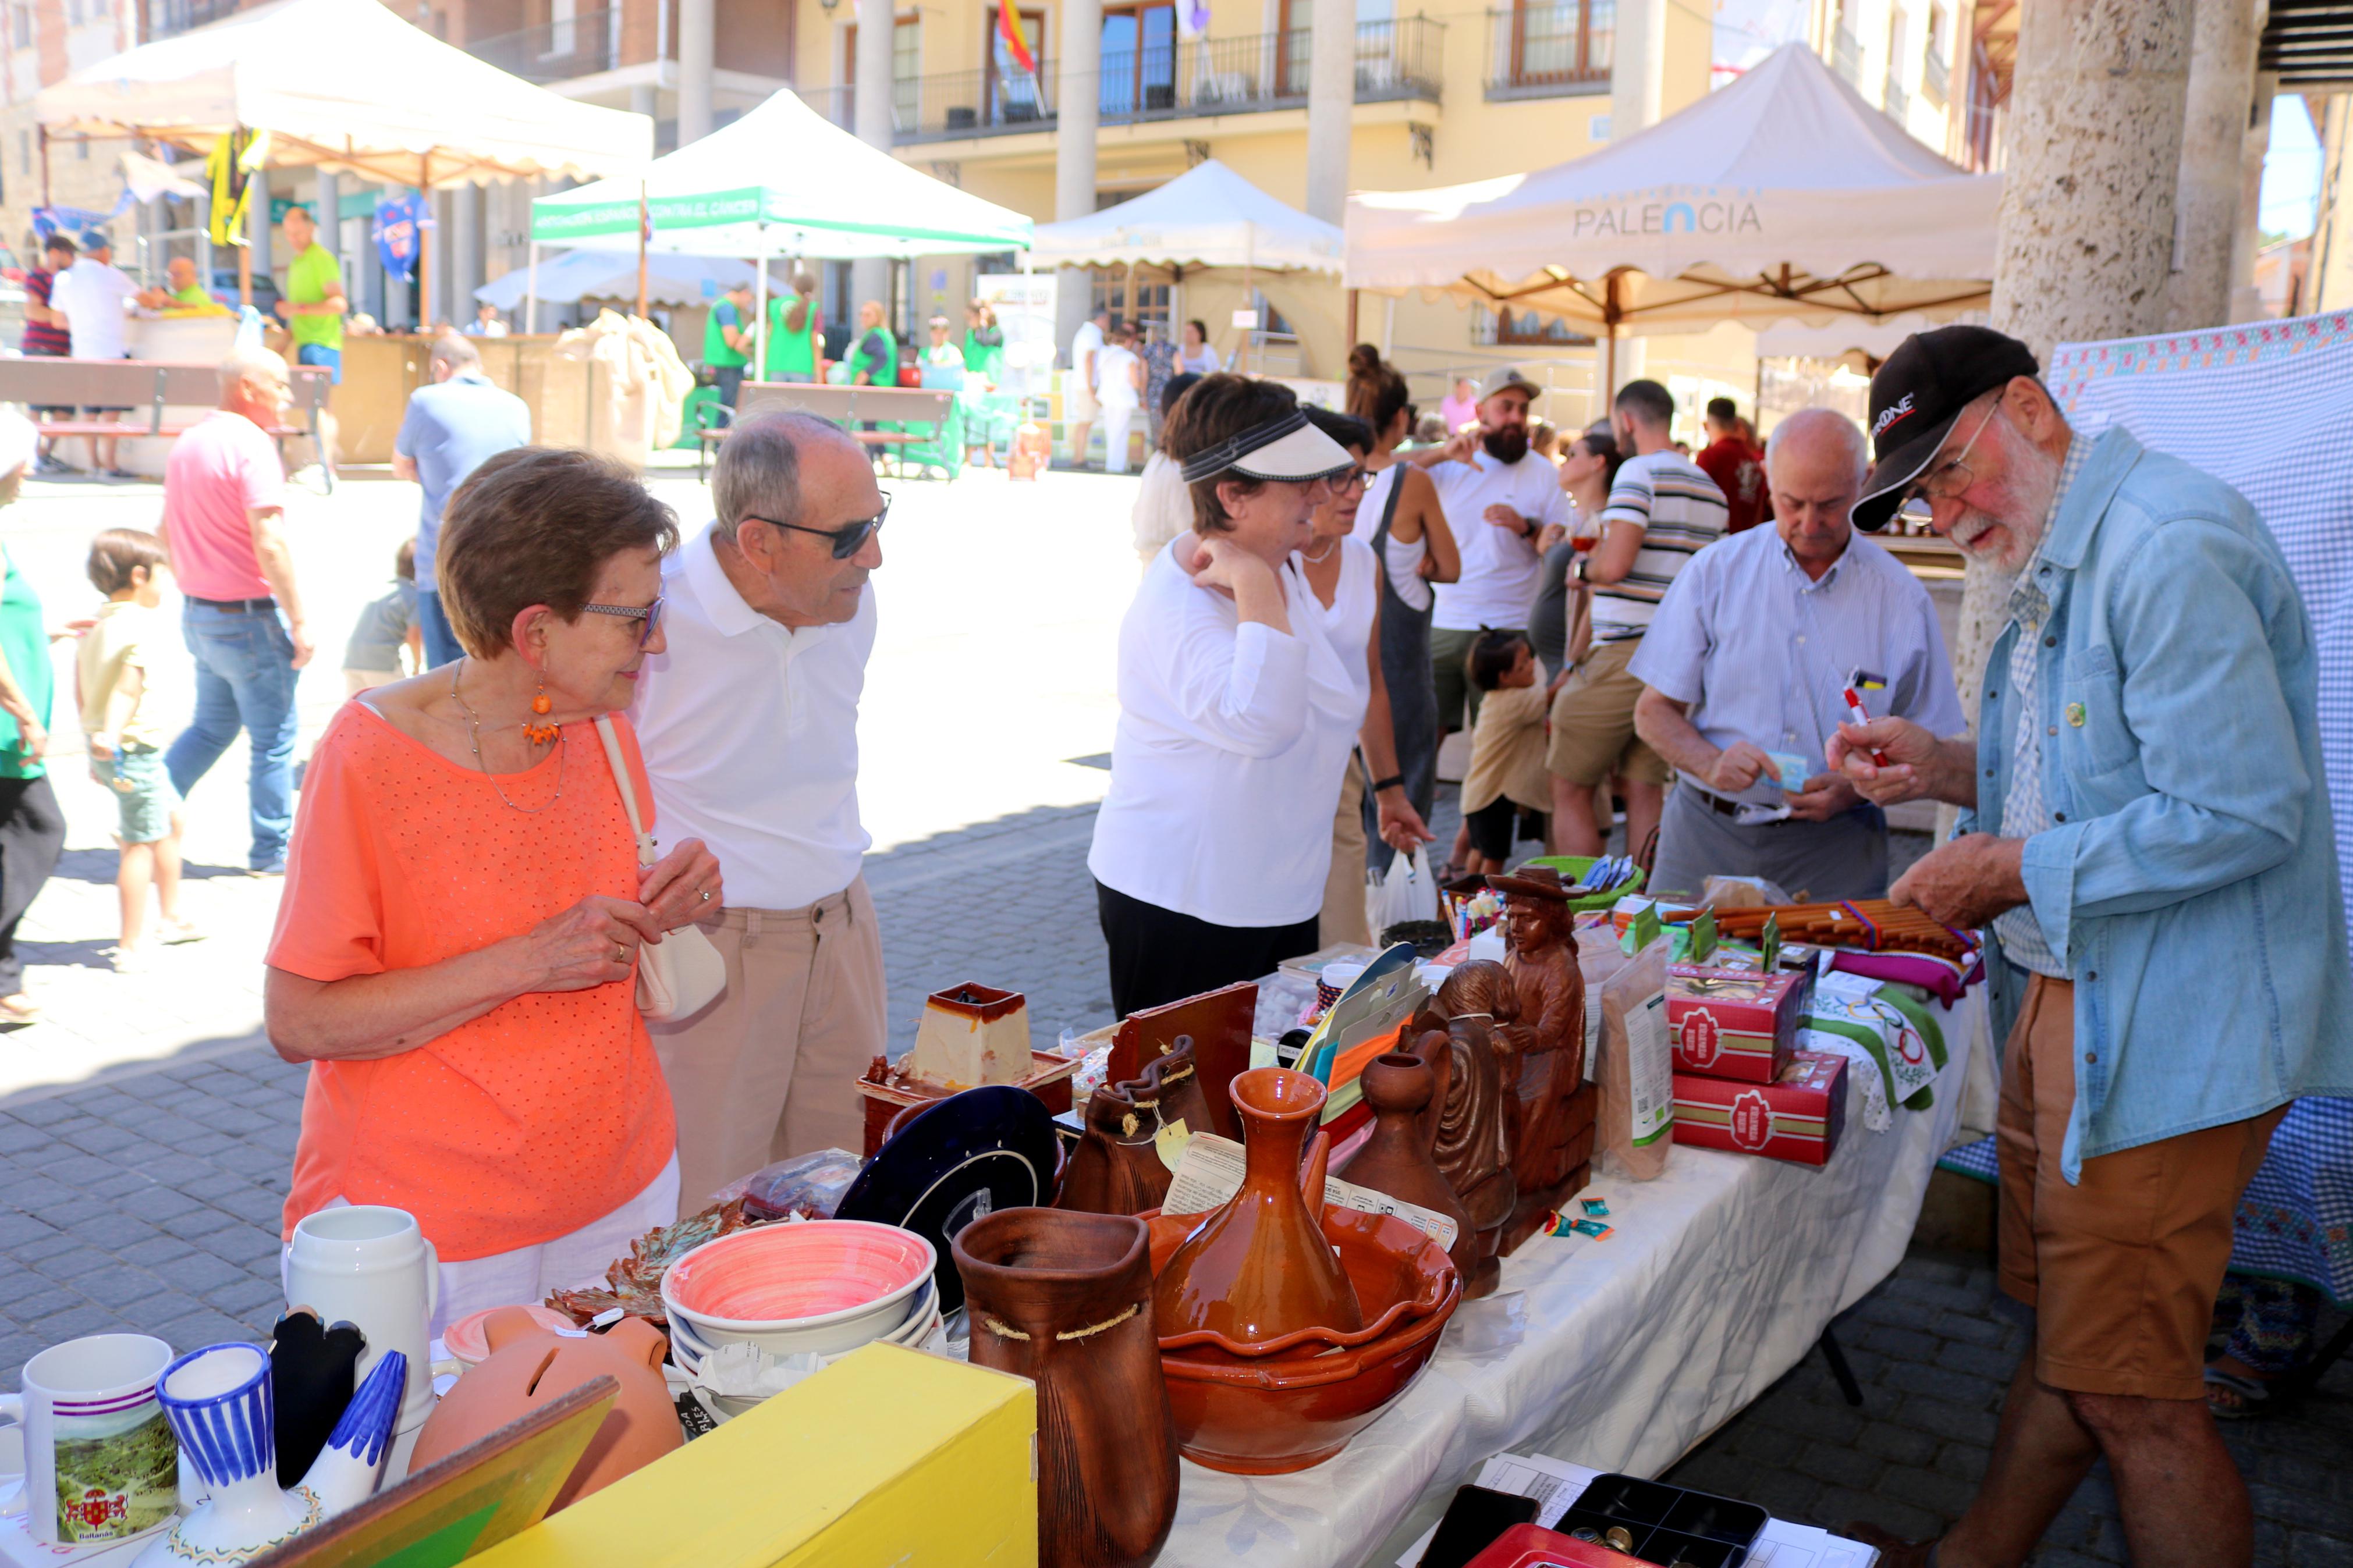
1593 723
1079 401
2121 1268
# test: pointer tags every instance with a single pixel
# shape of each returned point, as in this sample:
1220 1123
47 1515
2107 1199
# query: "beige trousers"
1343 885
769 1070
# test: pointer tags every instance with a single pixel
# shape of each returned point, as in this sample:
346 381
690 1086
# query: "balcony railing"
1540 47
1846 56
1396 60
166 18
556 51
1897 102
1934 74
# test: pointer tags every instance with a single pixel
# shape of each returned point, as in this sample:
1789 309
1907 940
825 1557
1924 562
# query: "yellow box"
888 1455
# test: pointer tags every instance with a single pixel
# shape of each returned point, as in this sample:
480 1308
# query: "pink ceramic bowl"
827 1284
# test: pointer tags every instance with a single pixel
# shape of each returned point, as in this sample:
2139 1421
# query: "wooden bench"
848 407
149 386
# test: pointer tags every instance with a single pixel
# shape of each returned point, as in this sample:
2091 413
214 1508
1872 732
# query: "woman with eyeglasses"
458 941
1236 713
1344 575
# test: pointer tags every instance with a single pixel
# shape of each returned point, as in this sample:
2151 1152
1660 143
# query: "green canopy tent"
781 181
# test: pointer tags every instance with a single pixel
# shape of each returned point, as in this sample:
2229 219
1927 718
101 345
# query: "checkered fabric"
2024 812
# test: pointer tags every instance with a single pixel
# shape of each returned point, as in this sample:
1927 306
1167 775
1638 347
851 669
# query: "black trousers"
32 836
1158 955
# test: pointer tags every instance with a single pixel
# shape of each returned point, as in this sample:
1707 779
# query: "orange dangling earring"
536 732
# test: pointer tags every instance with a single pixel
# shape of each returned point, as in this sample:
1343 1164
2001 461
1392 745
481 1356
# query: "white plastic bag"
1409 892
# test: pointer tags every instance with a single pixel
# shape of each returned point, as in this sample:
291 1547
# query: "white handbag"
685 973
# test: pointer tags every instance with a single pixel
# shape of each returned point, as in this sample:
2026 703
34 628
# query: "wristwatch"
1530 528
1577 568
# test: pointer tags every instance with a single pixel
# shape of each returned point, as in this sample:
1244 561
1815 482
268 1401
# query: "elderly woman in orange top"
458 941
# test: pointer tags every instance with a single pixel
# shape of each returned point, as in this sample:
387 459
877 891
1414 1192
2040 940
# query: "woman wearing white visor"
1236 714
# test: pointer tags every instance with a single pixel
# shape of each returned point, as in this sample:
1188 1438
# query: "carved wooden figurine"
1472 1146
1550 1110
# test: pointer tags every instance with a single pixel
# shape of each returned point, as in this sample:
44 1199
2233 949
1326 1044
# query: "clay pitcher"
1395 1159
1260 1267
1065 1299
1116 1169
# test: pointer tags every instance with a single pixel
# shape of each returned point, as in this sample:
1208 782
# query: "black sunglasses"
848 540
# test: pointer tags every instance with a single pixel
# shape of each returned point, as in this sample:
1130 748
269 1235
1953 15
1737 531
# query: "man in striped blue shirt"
1662 511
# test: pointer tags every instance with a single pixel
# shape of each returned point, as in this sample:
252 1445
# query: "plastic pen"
1862 716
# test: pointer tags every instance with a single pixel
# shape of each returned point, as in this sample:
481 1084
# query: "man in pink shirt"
224 497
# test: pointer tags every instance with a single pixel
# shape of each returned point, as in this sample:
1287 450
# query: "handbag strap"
620 765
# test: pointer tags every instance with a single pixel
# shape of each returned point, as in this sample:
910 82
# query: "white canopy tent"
347 86
579 275
1783 197
781 181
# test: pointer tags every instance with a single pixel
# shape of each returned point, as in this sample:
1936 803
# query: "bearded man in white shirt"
749 727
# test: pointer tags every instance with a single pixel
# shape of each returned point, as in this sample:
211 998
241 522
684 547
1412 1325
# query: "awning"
1207 217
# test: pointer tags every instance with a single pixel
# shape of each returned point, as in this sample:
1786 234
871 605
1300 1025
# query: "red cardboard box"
1796 1119
1733 1023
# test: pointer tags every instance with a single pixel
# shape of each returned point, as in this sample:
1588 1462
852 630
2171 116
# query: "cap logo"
1899 410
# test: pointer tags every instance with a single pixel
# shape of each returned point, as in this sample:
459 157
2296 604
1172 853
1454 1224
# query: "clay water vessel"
1258 1274
1065 1299
1176 1080
1395 1159
1116 1168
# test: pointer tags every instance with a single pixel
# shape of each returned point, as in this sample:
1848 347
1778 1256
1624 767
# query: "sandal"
2235 1398
19 1009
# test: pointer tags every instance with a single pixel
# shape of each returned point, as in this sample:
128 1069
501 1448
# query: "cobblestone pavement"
149 1201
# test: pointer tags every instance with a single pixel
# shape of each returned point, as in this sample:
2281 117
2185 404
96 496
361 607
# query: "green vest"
724 312
790 353
883 372
984 360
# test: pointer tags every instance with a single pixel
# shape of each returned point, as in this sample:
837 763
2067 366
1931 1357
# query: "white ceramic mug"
371 1266
89 1421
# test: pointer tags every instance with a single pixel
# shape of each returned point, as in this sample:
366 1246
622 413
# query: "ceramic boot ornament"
1065 1299
218 1402
1395 1159
349 1467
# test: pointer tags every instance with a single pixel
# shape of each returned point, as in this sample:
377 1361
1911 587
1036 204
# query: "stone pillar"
878 24
2246 304
260 230
326 209
698 43
1331 103
2213 152
2085 241
466 246
1078 107
645 98
1638 69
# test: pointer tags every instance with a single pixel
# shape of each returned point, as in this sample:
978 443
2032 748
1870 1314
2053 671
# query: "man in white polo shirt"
749 726
1497 497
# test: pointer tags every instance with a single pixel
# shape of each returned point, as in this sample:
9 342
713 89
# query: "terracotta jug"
1116 1169
1065 1299
1260 1267
1176 1080
529 1365
1395 1159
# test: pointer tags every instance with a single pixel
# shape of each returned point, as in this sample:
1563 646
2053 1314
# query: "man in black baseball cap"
1917 398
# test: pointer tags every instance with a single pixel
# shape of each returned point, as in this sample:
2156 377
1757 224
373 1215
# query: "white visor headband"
1289 449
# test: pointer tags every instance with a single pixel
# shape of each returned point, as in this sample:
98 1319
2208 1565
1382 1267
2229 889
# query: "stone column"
2213 152
1331 102
2085 241
465 247
1078 108
326 207
645 98
698 43
2247 305
878 24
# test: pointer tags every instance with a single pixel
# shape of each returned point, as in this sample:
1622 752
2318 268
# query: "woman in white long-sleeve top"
1235 715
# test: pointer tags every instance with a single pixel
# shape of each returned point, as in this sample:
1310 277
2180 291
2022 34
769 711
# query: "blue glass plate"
970 1155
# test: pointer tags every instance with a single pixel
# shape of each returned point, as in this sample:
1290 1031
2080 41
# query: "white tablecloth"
1619 1353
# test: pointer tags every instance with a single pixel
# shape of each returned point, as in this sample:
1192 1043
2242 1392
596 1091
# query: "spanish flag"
1009 28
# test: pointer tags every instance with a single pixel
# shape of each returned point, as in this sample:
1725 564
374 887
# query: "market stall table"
1619 1353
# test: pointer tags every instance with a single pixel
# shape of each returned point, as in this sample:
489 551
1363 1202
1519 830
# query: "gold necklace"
474 727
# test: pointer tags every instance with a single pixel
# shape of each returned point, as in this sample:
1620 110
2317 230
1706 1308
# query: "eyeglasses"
1351 478
848 540
1948 479
649 614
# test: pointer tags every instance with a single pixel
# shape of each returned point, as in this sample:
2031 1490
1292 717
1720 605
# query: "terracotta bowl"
1392 1271
1264 1416
825 1285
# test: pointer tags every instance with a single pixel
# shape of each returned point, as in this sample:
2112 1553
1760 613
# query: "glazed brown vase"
1395 1159
1116 1169
1065 1299
1260 1269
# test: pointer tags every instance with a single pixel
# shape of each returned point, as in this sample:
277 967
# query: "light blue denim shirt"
2190 879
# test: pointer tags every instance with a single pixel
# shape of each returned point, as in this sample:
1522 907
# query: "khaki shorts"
1593 723
2123 1267
1079 401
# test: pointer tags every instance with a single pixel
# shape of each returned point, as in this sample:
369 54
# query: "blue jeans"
245 679
729 379
332 360
441 645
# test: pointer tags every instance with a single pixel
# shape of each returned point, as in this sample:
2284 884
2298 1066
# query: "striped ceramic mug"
100 1463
